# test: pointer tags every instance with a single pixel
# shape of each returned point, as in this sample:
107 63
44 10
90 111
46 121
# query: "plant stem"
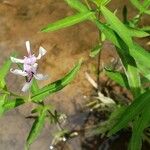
57 120
99 58
88 5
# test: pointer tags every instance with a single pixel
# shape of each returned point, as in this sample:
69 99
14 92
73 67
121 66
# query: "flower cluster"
29 69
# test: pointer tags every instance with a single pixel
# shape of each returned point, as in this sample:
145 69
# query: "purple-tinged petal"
27 68
40 77
30 68
18 72
28 47
42 52
16 60
26 86
30 60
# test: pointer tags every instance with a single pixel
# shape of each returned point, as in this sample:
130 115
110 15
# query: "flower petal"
35 65
28 47
18 72
42 52
26 86
16 60
40 77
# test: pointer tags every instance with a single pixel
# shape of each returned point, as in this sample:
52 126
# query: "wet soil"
22 20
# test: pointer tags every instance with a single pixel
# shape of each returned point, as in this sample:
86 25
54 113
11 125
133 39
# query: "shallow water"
22 20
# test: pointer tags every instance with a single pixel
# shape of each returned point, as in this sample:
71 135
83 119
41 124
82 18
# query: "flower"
29 66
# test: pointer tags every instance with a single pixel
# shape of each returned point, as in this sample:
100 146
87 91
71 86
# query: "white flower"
29 66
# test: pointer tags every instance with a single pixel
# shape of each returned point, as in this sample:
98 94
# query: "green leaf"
125 45
138 33
4 71
11 104
5 68
147 12
104 2
123 51
95 50
144 71
139 125
56 86
37 127
2 102
117 25
103 127
68 21
76 4
34 87
146 4
146 28
132 111
138 5
100 2
118 77
141 55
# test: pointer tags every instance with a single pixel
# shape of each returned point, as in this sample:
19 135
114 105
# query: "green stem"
99 57
88 5
58 123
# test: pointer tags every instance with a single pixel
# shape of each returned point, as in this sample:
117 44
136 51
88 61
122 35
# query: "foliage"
135 59
10 100
135 66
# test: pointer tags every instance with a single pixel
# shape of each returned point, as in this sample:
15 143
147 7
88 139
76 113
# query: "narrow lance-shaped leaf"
118 77
76 4
37 127
132 111
10 104
95 50
2 102
146 28
135 50
68 21
5 68
146 4
147 12
140 124
138 5
100 2
144 71
128 61
117 25
139 54
138 33
56 86
3 72
126 44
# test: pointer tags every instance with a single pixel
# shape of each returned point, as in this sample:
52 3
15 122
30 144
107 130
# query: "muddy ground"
21 20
